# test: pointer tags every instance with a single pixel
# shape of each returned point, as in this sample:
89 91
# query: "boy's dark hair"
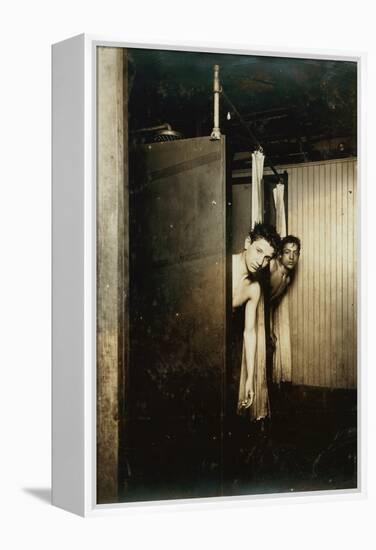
267 232
290 239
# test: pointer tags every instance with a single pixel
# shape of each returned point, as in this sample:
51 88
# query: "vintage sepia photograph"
226 275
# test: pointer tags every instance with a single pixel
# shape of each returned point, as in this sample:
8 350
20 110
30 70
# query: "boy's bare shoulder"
254 291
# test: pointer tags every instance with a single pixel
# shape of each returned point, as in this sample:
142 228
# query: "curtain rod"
246 126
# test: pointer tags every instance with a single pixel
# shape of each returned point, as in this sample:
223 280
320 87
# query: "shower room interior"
173 205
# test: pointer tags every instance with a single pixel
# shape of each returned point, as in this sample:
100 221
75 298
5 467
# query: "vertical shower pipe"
216 133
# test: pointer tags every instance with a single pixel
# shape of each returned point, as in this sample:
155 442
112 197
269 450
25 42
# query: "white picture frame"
74 173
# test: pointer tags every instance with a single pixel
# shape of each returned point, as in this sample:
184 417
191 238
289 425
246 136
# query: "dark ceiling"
299 109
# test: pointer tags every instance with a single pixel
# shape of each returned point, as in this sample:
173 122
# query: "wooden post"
112 278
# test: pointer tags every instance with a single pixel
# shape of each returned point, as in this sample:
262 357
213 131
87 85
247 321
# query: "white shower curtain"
281 322
257 211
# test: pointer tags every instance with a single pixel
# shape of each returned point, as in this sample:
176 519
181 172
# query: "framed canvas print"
205 274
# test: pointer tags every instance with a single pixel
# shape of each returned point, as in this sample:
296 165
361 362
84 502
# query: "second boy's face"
257 254
290 256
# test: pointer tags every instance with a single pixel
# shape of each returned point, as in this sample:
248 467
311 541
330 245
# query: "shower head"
156 134
167 135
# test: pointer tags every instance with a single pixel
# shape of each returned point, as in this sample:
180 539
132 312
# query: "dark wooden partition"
173 440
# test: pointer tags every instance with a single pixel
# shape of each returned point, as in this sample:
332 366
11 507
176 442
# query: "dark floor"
309 444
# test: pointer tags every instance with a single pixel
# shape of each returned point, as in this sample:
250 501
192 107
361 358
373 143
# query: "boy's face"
290 256
257 254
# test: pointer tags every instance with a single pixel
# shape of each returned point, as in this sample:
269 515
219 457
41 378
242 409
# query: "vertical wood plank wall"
322 208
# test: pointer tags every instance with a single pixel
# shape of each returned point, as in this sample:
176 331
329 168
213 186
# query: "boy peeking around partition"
261 246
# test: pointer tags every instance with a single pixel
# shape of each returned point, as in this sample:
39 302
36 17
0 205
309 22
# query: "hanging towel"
281 324
260 407
257 211
280 224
